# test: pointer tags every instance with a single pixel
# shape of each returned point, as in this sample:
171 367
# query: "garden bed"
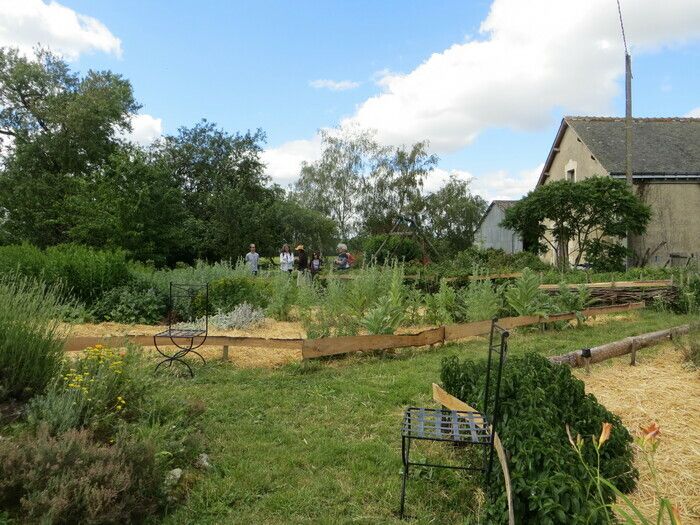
658 389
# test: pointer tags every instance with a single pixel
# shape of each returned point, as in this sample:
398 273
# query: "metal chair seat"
435 424
174 332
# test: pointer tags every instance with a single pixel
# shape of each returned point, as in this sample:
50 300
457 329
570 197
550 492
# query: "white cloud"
334 85
693 113
437 178
533 58
26 23
283 163
144 129
502 185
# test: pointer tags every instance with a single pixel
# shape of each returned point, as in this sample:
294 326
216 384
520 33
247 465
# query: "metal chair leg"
405 452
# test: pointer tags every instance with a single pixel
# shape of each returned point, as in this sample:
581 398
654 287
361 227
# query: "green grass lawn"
320 442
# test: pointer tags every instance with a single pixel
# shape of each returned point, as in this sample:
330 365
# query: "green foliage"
481 301
83 272
524 296
64 127
605 256
390 310
130 304
404 249
442 306
98 390
497 261
225 294
538 399
585 212
70 478
31 344
573 301
284 290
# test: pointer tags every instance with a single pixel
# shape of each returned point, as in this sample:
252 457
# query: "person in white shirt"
286 259
251 258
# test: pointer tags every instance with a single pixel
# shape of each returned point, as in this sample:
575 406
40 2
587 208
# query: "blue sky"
486 82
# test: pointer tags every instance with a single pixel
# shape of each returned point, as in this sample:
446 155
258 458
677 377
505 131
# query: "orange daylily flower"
651 432
604 433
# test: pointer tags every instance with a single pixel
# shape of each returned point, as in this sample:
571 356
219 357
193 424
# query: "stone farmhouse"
666 175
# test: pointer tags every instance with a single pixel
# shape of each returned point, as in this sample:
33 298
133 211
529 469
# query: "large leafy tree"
395 187
57 128
334 184
452 214
589 215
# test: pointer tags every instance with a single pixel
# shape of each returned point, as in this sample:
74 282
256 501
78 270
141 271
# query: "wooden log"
363 343
452 403
618 348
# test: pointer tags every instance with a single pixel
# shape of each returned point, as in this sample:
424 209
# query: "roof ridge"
637 119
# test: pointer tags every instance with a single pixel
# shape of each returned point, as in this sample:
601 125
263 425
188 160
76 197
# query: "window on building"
571 175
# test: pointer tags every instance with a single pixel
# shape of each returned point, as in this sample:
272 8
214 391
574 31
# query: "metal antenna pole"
628 122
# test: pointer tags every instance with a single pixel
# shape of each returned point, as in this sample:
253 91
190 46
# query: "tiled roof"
660 146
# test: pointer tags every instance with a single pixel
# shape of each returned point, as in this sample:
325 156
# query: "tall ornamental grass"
31 342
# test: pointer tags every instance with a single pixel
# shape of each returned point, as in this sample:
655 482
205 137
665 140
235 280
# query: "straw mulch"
660 388
249 357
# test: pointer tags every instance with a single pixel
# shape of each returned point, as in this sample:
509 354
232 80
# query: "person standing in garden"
343 259
286 259
302 263
251 259
315 265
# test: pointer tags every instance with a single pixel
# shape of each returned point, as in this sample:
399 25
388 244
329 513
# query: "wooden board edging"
659 283
78 343
449 401
364 343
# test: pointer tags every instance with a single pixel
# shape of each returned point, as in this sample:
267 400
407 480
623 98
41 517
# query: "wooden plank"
364 343
78 343
661 283
451 402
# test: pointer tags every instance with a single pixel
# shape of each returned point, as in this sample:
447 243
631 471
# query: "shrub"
132 303
570 301
70 478
227 293
396 247
605 256
241 317
98 390
538 400
83 272
284 290
31 345
497 260
389 311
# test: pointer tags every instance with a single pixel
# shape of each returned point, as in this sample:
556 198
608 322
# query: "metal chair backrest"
498 350
182 301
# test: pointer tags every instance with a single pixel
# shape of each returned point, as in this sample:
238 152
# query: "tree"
452 214
134 202
334 184
588 213
395 187
224 190
59 128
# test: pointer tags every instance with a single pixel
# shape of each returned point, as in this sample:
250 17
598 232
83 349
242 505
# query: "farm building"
666 175
490 234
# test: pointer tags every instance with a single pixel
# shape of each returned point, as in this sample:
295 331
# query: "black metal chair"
457 426
182 299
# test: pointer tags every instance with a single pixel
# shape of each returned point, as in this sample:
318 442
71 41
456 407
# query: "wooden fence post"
224 356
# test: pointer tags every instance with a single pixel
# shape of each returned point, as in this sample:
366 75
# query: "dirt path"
658 389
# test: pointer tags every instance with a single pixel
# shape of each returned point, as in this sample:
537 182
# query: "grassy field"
319 442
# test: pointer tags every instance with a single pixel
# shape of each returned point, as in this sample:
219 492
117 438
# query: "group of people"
343 261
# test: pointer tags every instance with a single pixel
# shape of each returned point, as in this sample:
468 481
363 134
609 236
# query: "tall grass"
201 273
31 342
